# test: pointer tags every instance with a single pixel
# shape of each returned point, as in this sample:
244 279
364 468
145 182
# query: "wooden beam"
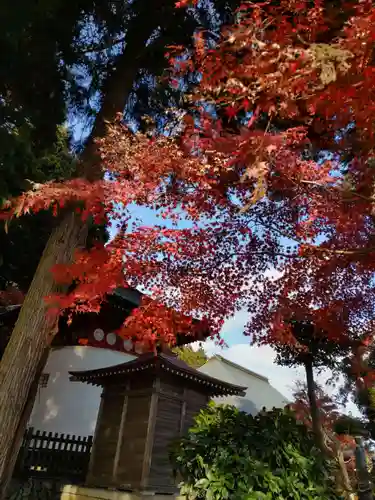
150 434
89 477
183 413
120 435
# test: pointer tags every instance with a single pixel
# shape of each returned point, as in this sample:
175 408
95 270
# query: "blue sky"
259 359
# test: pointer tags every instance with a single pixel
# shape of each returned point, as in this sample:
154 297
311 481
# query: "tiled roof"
159 362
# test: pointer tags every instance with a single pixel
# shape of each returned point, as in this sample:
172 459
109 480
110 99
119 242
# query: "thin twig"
337 188
351 251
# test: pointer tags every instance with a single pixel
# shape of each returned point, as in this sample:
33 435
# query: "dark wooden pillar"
121 433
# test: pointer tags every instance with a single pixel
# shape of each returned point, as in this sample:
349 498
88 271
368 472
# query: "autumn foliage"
266 183
329 412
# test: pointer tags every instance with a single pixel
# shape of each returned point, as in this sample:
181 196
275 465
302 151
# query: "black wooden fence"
53 455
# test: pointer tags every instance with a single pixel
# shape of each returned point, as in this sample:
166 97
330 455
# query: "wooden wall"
106 437
177 406
136 426
134 440
167 429
195 401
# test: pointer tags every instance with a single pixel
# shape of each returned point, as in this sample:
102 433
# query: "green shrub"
231 455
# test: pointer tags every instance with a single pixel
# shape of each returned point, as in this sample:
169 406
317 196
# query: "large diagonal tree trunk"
35 329
18 438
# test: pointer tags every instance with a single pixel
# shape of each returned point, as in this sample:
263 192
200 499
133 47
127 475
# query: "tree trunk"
319 434
344 475
34 330
17 441
314 410
31 337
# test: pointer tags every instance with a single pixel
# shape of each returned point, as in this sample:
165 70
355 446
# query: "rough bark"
18 438
31 336
328 446
314 410
35 329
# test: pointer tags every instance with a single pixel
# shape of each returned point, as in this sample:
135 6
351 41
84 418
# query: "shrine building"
146 404
89 342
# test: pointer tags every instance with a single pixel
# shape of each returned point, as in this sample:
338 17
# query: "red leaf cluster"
268 189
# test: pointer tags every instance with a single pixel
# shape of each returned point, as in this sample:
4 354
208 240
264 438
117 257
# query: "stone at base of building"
71 492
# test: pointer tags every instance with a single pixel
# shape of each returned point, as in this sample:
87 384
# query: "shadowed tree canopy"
65 51
313 345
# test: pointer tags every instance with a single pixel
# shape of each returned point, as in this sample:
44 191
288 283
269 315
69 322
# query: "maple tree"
341 428
358 381
301 406
293 174
254 198
119 48
272 169
313 349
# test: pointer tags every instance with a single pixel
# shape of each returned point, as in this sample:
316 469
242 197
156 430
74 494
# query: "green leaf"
238 457
202 483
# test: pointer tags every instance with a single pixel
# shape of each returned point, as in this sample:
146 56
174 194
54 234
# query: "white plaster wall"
259 393
71 407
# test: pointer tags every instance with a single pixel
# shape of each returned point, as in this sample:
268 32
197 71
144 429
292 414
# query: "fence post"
22 454
58 456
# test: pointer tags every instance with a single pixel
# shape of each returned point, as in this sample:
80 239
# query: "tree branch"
351 251
104 46
337 188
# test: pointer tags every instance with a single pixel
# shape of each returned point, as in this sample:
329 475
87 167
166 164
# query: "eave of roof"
161 362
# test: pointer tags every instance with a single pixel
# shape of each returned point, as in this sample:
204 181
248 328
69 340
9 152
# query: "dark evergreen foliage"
228 454
56 62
